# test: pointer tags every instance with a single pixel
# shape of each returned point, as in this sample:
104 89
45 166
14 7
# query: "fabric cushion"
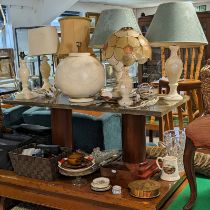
198 131
90 129
13 116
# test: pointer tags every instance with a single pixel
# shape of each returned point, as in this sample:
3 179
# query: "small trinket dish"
144 188
100 184
116 190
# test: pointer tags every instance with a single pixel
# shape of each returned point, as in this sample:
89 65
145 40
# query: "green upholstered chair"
13 115
89 131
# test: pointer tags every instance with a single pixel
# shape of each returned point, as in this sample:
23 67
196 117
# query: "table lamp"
127 46
43 41
75 35
175 25
78 75
110 21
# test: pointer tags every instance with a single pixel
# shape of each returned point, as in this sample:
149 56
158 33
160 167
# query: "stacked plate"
87 167
100 184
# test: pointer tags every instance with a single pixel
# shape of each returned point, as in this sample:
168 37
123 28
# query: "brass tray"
144 188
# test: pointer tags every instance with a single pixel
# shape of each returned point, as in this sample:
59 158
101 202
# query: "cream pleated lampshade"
43 41
74 31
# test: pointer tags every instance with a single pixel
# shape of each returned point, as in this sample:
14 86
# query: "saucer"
101 189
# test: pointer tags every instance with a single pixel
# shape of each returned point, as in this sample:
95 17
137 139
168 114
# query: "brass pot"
144 188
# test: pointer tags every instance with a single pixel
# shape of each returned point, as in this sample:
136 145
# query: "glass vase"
174 141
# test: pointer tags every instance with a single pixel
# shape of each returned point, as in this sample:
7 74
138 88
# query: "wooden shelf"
62 194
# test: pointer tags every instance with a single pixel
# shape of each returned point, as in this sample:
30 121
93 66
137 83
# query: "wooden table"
62 194
133 127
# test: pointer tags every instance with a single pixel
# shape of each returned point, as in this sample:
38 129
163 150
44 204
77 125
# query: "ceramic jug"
169 168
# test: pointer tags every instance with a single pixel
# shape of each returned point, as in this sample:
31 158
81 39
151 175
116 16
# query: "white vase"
80 76
174 67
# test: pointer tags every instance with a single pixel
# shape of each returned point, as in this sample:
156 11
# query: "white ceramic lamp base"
24 75
125 89
173 95
81 100
27 94
118 70
174 67
45 71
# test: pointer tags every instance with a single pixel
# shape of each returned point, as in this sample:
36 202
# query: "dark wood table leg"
134 164
134 142
61 123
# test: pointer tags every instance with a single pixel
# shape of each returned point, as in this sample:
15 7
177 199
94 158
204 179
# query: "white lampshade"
111 21
176 23
43 41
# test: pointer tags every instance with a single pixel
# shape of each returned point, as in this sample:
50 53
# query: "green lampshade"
111 21
176 23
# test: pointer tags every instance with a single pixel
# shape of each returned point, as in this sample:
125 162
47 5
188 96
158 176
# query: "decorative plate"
86 166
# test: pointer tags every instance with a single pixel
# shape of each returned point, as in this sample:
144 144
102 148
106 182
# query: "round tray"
75 172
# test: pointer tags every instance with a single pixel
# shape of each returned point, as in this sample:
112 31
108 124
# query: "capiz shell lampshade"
127 46
176 23
110 21
74 31
42 41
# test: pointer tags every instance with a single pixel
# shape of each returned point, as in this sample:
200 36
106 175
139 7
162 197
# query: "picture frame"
93 16
7 66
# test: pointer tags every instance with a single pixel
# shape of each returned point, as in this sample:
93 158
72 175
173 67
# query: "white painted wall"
24 13
48 10
91 7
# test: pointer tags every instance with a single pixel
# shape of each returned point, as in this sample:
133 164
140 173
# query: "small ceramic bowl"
100 182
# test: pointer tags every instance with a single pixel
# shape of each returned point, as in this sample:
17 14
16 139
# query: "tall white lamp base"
26 95
45 71
173 95
174 68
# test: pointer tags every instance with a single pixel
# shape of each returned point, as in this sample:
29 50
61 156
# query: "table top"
61 101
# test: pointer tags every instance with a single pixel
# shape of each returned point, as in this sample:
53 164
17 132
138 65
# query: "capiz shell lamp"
43 41
127 46
175 25
110 21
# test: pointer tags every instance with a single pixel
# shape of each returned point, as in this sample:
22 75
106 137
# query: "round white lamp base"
174 97
173 94
125 102
47 86
26 95
81 100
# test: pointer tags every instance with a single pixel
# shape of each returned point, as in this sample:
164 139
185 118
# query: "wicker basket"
36 167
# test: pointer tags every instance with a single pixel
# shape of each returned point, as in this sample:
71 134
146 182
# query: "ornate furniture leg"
190 172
